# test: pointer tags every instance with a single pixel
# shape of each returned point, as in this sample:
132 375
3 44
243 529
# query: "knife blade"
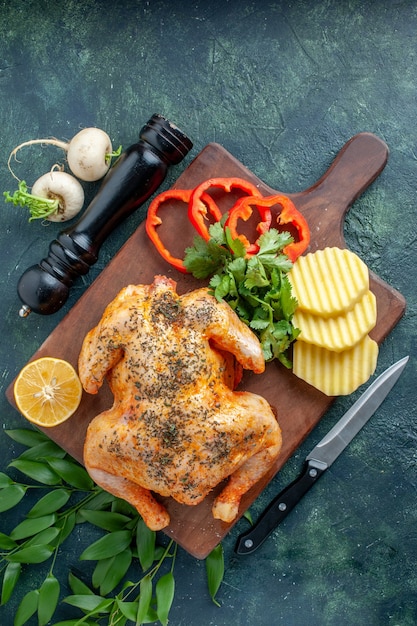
321 458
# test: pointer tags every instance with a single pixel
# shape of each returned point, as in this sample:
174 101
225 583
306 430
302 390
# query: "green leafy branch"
72 498
256 287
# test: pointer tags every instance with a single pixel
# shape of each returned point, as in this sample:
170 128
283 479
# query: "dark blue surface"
282 86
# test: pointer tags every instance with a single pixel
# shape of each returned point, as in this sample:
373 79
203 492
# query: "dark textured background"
281 85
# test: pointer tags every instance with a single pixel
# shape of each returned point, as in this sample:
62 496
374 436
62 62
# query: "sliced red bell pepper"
199 202
243 210
153 221
289 214
198 213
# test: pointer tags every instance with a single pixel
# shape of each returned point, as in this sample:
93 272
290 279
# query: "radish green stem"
40 208
114 154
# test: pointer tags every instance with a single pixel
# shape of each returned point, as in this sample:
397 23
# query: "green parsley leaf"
256 288
256 274
205 258
272 241
235 245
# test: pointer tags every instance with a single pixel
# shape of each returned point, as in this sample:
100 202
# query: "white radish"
64 188
89 153
56 196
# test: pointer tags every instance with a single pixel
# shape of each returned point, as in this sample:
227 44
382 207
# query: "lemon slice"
47 391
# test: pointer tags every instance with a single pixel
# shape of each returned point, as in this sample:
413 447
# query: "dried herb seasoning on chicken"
177 427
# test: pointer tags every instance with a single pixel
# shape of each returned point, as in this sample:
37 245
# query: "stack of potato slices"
336 311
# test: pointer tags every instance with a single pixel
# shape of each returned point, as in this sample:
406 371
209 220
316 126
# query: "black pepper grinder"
136 175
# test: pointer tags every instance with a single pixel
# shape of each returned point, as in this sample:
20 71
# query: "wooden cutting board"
298 405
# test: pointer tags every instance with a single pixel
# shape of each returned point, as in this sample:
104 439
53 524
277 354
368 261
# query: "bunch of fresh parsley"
257 288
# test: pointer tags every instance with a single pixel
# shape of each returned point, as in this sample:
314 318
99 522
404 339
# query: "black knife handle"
279 508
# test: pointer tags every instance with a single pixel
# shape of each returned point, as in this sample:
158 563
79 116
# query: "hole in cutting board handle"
326 203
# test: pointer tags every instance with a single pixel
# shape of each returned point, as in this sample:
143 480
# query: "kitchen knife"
321 457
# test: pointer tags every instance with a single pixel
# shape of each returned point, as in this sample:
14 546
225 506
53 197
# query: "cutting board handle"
326 202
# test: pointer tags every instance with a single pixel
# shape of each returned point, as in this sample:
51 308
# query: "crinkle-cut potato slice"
329 282
335 373
342 331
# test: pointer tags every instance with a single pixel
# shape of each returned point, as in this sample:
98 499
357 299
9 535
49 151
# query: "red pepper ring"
243 210
153 221
290 215
197 213
200 200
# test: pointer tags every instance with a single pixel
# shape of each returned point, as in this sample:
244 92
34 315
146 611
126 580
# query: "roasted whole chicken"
177 427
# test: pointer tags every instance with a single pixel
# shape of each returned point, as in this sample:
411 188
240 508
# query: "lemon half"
47 391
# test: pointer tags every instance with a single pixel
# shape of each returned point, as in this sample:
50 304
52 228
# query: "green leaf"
66 526
6 543
165 589
288 302
109 572
204 258
217 232
100 501
45 537
215 571
10 578
238 268
129 610
272 263
145 542
118 569
159 553
10 496
151 616
48 599
90 603
250 285
50 503
144 599
267 350
72 473
256 275
37 471
5 480
107 520
259 324
221 286
77 586
27 608
33 554
75 622
235 245
100 571
30 527
27 436
44 450
273 241
107 546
